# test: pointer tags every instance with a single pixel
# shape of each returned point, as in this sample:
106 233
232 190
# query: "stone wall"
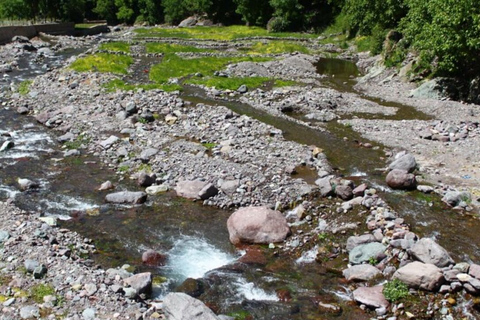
7 33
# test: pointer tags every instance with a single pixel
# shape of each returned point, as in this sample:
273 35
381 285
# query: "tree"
14 9
254 12
151 11
175 11
106 9
288 13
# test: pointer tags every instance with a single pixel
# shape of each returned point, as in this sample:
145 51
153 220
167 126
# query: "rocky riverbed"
207 152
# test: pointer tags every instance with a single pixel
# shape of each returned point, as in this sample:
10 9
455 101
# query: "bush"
395 290
277 24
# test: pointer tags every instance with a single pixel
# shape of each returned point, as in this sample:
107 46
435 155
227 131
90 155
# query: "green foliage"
176 10
115 46
209 145
38 291
77 143
254 12
107 10
373 42
446 33
24 87
395 290
14 9
373 261
103 62
172 48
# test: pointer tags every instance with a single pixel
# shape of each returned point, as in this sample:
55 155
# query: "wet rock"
153 190
355 241
257 225
192 287
180 306
253 256
142 282
366 252
420 276
361 272
30 312
146 180
371 297
329 308
401 179
21 110
195 189
454 198
404 162
7 145
324 186
153 258
26 184
20 39
107 185
428 251
107 143
129 197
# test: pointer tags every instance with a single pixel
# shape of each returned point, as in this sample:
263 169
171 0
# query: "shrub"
395 290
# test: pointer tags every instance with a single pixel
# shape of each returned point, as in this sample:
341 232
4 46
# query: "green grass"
174 66
24 87
103 62
118 84
276 47
395 290
228 83
215 33
77 143
115 46
37 292
172 48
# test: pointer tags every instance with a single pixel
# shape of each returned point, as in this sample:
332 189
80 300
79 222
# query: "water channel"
194 236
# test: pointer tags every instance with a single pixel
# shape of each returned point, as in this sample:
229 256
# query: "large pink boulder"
257 225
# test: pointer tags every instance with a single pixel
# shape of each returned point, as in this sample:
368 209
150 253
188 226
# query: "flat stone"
130 197
361 272
4 235
30 312
474 270
180 306
365 252
427 250
371 297
153 190
142 282
107 143
88 314
420 276
30 265
355 241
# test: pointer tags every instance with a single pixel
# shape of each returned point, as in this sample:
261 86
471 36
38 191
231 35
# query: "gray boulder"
195 189
148 153
257 225
405 161
107 143
344 192
428 251
453 198
142 282
242 89
324 186
26 184
4 235
180 306
145 180
420 276
401 179
361 272
371 297
189 22
365 252
128 197
30 312
355 241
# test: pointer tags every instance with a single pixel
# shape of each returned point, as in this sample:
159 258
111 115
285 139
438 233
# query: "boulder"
344 192
180 306
189 22
257 225
401 179
26 184
428 251
360 190
7 145
404 161
365 252
153 190
420 276
142 282
474 270
195 189
242 89
355 241
361 272
453 198
324 186
129 197
148 153
153 258
371 297
107 185
192 287
146 180
107 143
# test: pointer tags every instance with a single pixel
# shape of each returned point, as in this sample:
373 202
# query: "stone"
88 314
344 192
425 189
153 258
107 143
142 282
71 153
30 312
324 186
107 185
428 251
242 89
127 197
40 271
4 235
474 270
371 297
51 221
130 293
420 275
90 288
171 119
401 179
453 198
361 272
192 287
360 190
404 162
27 184
354 241
366 252
195 189
146 180
7 145
147 154
188 22
180 306
253 256
30 265
20 39
153 190
257 225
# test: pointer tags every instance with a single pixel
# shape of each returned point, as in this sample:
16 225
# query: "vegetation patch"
228 83
174 66
37 292
277 47
395 290
172 48
103 62
216 33
24 87
77 143
118 84
115 46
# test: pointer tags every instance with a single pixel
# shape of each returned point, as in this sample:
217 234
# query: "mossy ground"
172 48
24 87
115 47
103 62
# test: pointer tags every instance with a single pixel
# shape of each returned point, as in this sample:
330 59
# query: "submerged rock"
257 225
127 197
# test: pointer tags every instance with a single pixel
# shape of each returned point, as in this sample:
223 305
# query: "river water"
194 237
